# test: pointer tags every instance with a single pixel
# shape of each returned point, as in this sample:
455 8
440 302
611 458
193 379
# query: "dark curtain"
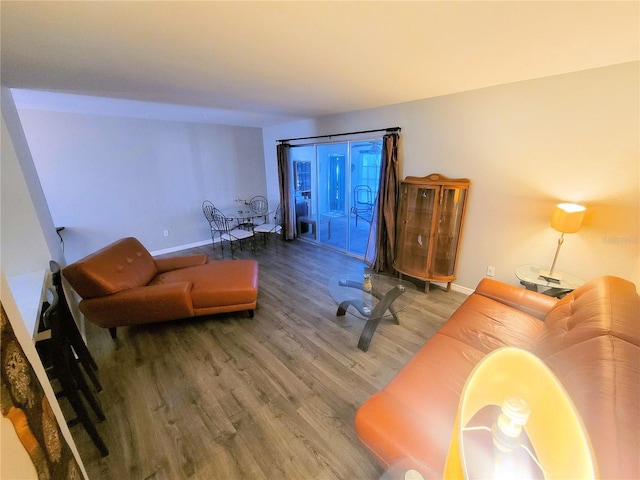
284 179
382 236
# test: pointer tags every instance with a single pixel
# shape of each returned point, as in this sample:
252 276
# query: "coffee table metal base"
373 316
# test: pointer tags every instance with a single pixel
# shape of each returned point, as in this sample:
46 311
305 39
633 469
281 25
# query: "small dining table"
244 214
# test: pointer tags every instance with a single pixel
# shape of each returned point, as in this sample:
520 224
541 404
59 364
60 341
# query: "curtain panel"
283 151
380 251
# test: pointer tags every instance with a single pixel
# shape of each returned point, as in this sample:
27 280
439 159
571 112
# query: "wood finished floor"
273 397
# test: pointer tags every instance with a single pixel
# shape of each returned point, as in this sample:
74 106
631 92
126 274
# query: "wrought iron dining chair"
273 226
260 207
207 209
224 227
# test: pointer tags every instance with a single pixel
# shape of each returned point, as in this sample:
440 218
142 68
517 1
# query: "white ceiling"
260 63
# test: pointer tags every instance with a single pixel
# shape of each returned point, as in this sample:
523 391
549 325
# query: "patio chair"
362 203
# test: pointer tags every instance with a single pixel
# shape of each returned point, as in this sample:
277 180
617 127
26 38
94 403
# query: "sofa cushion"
124 264
527 301
604 306
412 417
219 283
487 325
601 377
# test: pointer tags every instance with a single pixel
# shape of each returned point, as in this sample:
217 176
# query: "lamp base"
550 277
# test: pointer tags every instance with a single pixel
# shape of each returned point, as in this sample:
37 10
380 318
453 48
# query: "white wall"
111 177
28 242
525 146
27 237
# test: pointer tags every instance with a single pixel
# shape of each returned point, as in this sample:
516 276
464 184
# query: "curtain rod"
388 130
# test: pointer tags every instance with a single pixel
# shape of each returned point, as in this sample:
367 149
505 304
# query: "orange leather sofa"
122 284
590 339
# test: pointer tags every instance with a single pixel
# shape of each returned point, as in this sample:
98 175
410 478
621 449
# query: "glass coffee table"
529 276
371 299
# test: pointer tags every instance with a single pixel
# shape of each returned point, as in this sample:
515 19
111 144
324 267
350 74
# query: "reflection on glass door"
332 204
336 208
365 178
336 182
303 163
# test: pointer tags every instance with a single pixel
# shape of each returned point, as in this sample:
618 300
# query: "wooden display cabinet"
429 226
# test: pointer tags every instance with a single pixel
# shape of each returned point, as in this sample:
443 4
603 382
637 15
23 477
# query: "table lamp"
566 218
534 405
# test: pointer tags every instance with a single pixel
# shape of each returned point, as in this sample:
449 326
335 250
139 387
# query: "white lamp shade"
567 217
555 428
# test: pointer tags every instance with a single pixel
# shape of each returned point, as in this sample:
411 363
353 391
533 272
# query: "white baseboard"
456 288
178 248
461 289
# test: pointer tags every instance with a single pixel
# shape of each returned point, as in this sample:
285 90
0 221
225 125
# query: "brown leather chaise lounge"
122 284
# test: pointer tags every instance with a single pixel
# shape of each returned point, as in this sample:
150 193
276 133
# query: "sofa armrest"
174 263
153 303
530 302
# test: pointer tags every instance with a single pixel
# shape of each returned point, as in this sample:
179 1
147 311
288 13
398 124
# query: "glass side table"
530 279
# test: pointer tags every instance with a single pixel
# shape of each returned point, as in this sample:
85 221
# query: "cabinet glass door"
412 239
451 210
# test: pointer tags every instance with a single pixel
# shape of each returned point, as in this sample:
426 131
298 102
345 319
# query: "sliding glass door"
335 186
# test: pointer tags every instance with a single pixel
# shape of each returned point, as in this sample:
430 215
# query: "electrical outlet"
165 233
491 271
